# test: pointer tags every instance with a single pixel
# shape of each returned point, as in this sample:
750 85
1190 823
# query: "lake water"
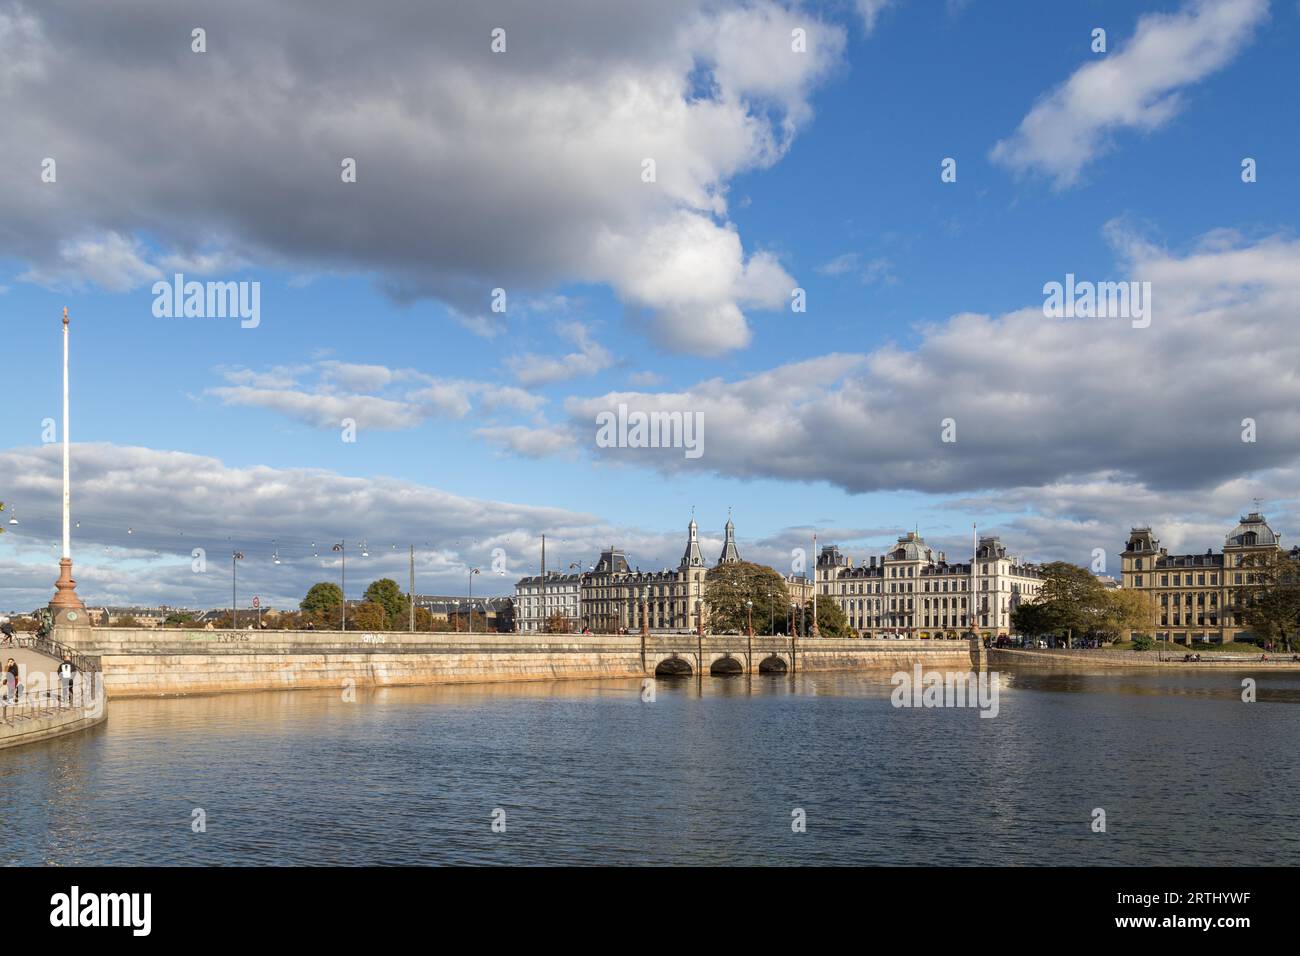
711 772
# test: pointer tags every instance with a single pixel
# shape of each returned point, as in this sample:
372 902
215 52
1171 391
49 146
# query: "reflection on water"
709 772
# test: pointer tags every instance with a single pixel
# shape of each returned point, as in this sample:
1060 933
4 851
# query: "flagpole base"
65 596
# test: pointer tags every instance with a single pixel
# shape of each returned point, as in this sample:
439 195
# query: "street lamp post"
341 548
749 632
235 557
472 572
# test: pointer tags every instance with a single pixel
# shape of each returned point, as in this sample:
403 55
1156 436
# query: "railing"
52 648
31 706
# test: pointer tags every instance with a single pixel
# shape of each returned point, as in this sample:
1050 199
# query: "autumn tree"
369 616
559 623
1272 598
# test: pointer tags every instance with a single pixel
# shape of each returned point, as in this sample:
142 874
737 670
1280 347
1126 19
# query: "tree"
1123 612
126 621
1072 598
1032 620
324 602
729 586
369 616
180 619
1272 599
388 595
831 621
559 623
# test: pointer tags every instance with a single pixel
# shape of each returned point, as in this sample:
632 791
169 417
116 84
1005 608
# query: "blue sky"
840 194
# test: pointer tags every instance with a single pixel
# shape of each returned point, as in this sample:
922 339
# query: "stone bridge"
684 655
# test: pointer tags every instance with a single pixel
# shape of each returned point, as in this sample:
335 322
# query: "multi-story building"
1201 597
913 590
674 598
608 598
535 604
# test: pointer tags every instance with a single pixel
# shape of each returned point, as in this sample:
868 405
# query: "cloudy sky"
614 203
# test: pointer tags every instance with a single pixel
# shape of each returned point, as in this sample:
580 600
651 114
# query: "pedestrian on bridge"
66 671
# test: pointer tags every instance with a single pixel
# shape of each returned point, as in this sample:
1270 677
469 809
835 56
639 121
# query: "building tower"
730 555
692 557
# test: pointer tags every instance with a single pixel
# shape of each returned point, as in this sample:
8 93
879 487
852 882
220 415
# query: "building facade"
535 604
608 598
1201 597
913 591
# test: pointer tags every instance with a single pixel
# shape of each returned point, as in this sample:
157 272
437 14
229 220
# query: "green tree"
324 602
1072 597
180 619
1032 620
831 620
389 596
728 587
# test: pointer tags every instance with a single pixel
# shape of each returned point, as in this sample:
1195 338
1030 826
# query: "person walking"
66 671
7 629
11 679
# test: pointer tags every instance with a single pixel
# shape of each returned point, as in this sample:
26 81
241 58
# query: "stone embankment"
148 662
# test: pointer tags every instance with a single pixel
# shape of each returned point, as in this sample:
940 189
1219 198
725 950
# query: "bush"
1143 642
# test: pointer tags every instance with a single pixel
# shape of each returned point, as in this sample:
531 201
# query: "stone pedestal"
65 595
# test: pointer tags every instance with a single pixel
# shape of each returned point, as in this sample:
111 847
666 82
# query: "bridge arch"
674 666
727 665
773 664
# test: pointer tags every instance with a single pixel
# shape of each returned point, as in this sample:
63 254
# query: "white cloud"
175 502
532 370
529 442
870 10
1138 86
109 260
1034 400
880 269
583 95
374 396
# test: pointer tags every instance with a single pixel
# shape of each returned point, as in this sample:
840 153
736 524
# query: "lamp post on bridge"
749 631
341 548
235 557
472 572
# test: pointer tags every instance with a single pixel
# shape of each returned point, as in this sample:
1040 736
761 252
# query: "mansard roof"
1252 531
612 560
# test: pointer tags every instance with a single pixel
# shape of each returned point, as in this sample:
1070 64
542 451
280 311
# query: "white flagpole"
67 482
